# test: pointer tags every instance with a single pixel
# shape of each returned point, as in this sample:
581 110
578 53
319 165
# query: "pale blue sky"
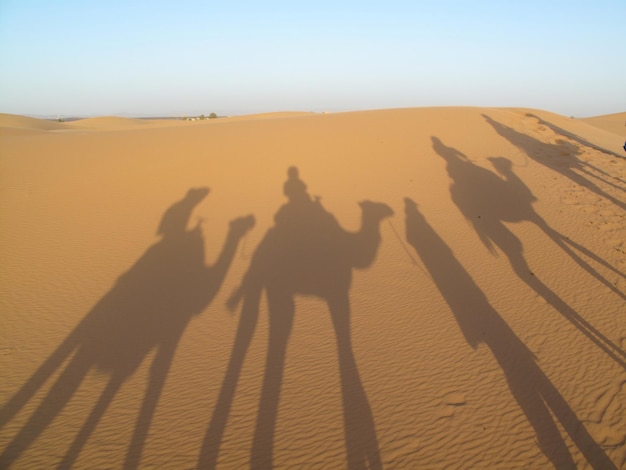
84 57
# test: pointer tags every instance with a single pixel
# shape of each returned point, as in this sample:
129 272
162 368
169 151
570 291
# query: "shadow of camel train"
306 252
148 309
488 201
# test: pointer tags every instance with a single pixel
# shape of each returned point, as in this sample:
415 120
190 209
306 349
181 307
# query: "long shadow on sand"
569 165
487 201
306 252
573 137
148 309
480 323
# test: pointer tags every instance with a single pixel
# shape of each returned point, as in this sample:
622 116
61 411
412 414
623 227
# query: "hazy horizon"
158 59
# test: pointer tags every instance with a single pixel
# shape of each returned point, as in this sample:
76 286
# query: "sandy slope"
488 332
615 123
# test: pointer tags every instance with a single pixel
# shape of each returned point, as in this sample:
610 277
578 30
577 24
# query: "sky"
155 58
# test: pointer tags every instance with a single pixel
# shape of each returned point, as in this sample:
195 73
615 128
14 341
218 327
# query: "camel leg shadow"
359 428
57 397
209 452
281 315
92 420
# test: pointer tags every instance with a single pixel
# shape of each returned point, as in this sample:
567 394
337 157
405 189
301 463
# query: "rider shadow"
305 253
479 322
147 309
553 159
487 201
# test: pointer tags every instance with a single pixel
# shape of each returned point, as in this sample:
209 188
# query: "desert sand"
404 288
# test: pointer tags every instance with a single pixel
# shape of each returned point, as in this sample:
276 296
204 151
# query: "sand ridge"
615 123
173 296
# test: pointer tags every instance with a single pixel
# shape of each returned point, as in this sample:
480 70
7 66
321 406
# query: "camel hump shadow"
482 193
152 303
307 251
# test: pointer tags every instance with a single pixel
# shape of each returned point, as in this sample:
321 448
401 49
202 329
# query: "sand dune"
110 122
615 123
276 115
23 122
404 288
11 124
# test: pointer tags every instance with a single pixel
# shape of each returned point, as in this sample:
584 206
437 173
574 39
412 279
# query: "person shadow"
487 201
146 310
480 323
305 253
551 156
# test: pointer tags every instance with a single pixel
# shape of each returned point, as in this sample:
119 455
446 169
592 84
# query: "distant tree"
202 116
212 116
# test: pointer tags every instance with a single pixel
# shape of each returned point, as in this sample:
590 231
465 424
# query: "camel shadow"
305 253
487 201
147 310
479 322
573 137
551 156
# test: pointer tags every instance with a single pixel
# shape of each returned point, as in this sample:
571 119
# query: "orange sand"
486 321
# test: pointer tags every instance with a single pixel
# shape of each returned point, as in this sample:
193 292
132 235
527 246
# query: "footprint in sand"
8 351
607 213
616 243
450 403
545 134
608 226
570 200
588 208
